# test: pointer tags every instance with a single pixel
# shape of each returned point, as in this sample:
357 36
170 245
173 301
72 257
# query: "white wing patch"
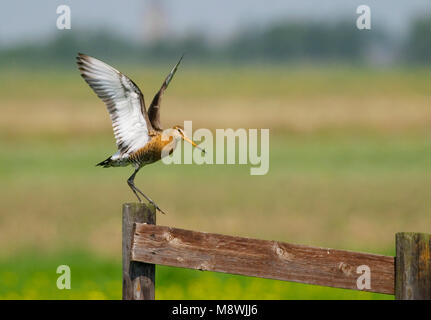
123 99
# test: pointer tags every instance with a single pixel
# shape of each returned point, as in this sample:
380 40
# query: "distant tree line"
280 42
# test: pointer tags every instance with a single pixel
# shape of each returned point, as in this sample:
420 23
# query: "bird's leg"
149 200
132 186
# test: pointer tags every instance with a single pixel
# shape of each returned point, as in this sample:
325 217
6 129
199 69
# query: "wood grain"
138 277
260 258
413 266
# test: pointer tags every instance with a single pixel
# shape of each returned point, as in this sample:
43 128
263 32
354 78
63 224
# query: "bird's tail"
105 163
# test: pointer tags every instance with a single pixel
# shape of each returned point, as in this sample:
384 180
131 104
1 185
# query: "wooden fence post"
138 277
413 266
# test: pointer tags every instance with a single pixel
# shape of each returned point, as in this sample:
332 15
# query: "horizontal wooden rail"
261 258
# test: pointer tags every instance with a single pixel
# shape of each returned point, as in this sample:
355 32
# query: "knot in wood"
171 239
282 253
204 266
168 236
345 268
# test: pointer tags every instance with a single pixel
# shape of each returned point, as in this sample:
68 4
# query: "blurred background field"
350 153
339 177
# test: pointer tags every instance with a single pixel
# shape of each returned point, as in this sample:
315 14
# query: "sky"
140 20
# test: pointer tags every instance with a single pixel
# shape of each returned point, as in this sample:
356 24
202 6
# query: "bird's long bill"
192 143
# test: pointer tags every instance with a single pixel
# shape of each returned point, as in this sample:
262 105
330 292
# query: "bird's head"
179 134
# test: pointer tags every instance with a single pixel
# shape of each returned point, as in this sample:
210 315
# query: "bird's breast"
153 150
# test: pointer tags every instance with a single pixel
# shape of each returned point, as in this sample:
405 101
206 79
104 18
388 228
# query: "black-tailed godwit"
138 134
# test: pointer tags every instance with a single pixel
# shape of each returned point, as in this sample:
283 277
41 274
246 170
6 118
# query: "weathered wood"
413 266
260 258
138 277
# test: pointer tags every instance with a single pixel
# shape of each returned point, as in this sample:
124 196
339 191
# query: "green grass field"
32 276
350 153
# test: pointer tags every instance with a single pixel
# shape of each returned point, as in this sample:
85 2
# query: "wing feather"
123 99
154 110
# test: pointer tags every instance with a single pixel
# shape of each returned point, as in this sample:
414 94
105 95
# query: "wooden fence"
408 275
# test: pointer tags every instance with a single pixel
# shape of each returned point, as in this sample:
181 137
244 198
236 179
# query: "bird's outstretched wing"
123 99
154 110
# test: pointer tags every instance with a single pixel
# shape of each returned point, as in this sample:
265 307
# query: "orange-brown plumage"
152 151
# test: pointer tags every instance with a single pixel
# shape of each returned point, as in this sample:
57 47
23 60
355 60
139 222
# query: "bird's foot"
157 207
